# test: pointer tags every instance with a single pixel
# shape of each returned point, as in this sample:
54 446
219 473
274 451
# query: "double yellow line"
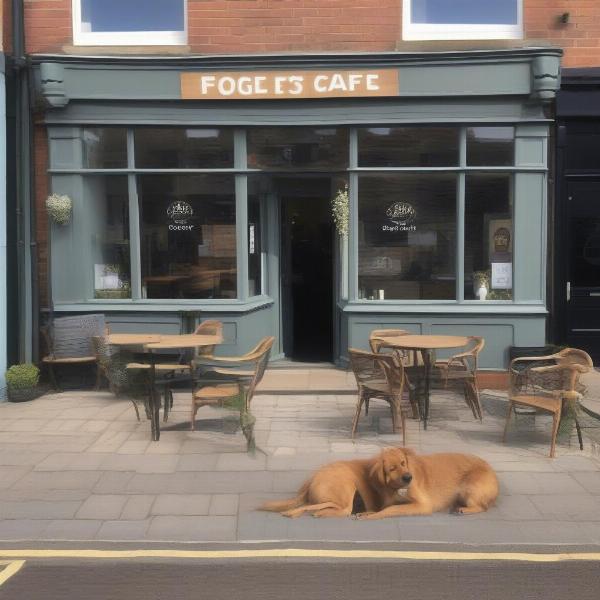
19 556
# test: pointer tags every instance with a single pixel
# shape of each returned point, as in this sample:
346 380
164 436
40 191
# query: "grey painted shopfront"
203 205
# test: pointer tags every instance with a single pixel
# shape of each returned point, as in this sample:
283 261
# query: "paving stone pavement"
78 466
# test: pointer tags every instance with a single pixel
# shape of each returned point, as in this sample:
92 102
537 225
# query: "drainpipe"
25 211
3 244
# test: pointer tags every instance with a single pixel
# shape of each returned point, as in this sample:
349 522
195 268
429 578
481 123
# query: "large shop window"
188 236
129 22
462 19
407 236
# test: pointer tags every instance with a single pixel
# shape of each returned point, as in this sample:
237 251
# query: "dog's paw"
363 516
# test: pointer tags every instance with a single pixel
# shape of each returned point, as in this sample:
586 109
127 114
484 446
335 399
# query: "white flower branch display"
340 209
59 208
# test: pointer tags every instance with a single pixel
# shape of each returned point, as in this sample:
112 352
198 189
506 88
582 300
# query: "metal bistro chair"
550 384
463 367
379 376
234 377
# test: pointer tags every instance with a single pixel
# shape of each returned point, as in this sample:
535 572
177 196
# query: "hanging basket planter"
340 210
59 208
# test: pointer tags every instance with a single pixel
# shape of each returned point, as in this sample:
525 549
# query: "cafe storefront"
313 198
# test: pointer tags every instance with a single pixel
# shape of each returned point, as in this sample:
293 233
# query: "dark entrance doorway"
307 275
583 266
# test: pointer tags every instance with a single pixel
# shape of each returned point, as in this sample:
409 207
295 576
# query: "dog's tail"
283 505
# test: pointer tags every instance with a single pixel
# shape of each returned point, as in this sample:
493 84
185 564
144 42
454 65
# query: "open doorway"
307 273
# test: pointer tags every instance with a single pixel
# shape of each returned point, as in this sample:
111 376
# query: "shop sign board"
288 85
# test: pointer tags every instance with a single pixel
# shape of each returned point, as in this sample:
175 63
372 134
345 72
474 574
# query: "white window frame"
467 31
127 38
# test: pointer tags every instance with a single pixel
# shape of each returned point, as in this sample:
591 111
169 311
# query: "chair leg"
555 424
137 411
53 380
403 421
357 415
394 415
193 416
510 409
167 404
98 377
579 437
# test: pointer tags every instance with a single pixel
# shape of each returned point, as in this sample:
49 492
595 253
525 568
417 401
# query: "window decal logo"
402 214
181 212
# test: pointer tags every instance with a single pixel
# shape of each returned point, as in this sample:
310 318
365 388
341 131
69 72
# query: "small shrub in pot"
22 382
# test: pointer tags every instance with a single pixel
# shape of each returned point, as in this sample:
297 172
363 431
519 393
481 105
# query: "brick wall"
258 26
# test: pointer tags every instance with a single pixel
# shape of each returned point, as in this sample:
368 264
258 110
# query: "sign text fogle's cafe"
286 85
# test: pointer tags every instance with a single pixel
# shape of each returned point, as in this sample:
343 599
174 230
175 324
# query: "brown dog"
421 485
330 491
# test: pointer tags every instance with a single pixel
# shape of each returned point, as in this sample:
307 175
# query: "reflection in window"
132 15
180 148
107 217
490 146
254 247
465 12
488 237
297 147
408 147
407 237
104 148
188 239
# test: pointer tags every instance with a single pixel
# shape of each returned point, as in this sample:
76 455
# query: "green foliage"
340 210
22 377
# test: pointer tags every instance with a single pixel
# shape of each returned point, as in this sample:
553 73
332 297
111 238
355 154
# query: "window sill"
445 307
172 306
176 50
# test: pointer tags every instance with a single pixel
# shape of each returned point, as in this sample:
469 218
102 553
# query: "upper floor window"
462 19
129 22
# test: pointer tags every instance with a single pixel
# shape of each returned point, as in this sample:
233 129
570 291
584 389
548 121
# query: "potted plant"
340 210
59 208
22 383
481 284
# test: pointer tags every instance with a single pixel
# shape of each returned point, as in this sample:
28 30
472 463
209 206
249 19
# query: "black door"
307 275
583 266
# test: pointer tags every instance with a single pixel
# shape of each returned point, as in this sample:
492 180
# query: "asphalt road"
300 579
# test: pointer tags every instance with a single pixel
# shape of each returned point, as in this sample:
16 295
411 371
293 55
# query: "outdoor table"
425 344
152 342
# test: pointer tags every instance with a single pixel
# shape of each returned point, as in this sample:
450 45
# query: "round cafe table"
425 344
156 342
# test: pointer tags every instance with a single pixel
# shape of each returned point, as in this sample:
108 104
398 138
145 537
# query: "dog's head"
393 468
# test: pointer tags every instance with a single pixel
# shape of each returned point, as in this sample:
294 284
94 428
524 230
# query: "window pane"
104 148
488 237
297 147
408 147
132 15
583 141
165 148
107 214
490 146
254 247
492 12
407 237
188 240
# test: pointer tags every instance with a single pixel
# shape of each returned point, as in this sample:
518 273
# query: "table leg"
154 402
427 361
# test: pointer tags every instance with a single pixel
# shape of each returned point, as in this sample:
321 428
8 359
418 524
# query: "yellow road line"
299 553
11 569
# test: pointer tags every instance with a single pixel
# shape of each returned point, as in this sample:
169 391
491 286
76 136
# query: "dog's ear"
377 470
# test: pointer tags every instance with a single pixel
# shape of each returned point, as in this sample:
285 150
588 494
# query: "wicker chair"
377 344
550 384
69 342
238 379
463 367
379 376
210 327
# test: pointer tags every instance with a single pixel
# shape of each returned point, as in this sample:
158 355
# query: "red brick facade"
258 26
